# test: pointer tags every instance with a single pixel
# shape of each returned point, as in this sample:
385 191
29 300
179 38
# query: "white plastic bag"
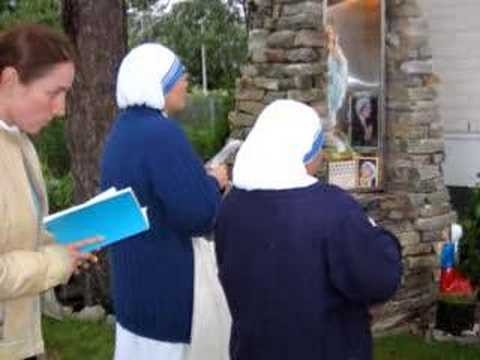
211 319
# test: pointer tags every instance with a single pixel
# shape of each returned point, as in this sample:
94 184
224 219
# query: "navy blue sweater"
152 273
299 268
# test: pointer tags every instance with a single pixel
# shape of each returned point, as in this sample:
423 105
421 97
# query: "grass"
407 347
74 340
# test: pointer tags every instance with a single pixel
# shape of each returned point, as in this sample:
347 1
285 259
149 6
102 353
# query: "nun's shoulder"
156 127
333 194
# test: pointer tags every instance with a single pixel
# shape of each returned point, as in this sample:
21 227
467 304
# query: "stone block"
303 7
303 82
303 69
434 223
250 94
425 146
271 96
403 93
310 38
407 131
321 108
406 8
281 39
249 70
435 199
300 21
257 55
417 249
257 39
306 96
432 236
240 132
417 262
287 83
389 322
417 67
431 211
302 55
412 118
411 105
239 119
267 83
409 238
275 55
250 107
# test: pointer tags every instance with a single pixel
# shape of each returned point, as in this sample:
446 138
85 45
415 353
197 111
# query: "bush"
205 121
59 189
52 148
469 257
55 161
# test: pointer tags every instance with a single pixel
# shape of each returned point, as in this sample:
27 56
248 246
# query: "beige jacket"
28 264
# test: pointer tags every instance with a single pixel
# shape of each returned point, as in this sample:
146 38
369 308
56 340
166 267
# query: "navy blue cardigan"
152 273
299 268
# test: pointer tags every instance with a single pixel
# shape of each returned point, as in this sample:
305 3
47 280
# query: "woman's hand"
81 259
220 173
368 133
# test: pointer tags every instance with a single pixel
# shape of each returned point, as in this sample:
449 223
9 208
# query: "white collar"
9 128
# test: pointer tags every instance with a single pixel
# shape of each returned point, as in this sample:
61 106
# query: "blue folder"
114 216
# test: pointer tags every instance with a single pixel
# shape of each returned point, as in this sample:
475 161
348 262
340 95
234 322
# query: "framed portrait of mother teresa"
357 32
363 121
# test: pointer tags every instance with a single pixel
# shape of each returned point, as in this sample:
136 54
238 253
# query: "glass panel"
355 85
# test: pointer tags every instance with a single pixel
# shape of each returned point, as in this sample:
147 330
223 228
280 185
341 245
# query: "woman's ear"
314 165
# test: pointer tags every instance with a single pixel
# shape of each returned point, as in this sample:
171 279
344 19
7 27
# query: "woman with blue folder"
36 71
153 272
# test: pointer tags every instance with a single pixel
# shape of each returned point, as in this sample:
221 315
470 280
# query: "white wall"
455 40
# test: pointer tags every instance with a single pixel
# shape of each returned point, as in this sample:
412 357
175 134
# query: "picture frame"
363 121
368 173
343 174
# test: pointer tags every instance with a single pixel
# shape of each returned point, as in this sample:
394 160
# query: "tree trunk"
98 30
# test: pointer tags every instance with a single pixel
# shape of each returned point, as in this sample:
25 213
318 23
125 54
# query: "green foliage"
213 23
52 148
205 121
469 259
38 11
59 189
458 298
55 160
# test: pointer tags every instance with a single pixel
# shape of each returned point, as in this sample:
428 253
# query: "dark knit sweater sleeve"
364 260
189 196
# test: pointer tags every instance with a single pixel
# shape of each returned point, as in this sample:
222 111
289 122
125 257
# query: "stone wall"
287 59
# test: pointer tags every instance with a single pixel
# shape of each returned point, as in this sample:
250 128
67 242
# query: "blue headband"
316 147
172 76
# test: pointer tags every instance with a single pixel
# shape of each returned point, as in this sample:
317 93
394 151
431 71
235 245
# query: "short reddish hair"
33 49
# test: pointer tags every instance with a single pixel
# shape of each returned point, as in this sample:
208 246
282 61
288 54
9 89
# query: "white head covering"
457 232
287 135
146 75
361 103
369 166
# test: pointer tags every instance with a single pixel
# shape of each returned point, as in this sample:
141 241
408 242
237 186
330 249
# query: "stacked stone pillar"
286 59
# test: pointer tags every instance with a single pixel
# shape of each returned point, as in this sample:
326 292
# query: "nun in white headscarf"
299 260
153 273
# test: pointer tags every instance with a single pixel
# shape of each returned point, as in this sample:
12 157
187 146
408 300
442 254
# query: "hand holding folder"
112 215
